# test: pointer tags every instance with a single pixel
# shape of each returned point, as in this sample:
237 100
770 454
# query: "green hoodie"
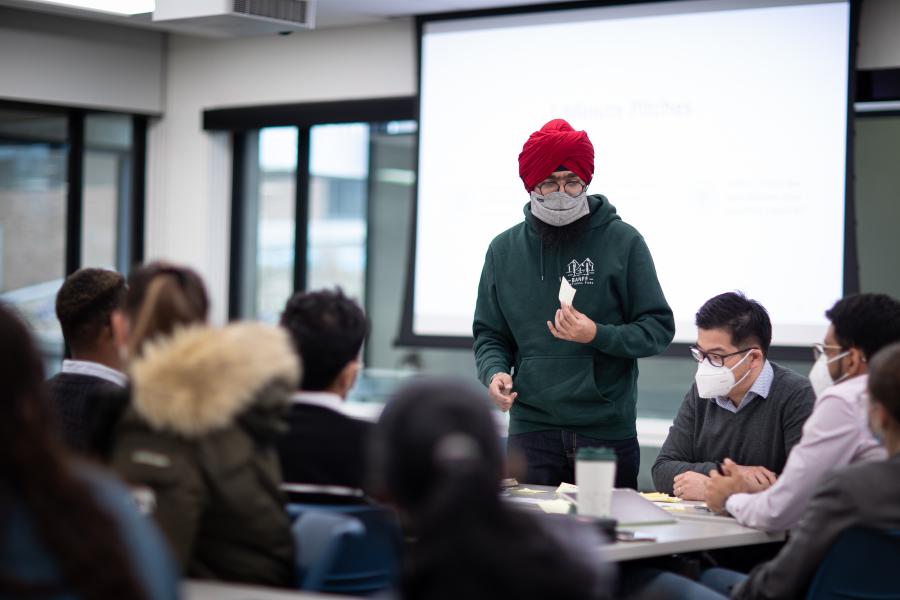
586 388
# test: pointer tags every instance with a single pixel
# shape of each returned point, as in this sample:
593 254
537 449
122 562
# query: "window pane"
33 156
271 205
339 172
392 194
106 192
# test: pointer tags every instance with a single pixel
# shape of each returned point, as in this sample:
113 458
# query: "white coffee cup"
595 475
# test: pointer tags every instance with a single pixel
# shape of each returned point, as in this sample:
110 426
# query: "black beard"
551 235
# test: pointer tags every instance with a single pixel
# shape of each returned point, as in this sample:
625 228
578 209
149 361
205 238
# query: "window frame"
304 116
134 228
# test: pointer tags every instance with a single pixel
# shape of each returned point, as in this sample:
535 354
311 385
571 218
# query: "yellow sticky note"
525 491
659 497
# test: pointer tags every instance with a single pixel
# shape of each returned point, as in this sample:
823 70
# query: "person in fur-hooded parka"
197 446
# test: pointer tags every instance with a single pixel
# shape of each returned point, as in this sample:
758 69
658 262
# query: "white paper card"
566 292
555 507
567 487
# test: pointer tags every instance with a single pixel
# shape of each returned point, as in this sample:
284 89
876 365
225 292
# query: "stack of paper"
524 491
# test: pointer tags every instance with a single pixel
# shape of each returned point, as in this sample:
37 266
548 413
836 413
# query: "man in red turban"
568 375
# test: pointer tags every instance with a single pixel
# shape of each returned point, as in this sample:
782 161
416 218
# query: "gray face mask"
559 208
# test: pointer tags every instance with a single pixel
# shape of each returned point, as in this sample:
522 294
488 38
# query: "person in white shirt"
85 305
837 432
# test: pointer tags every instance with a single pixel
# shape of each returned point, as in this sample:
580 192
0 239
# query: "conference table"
694 530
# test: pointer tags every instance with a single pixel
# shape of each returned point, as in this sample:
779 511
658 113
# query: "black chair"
860 565
347 549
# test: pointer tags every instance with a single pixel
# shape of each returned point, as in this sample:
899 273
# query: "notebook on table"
630 509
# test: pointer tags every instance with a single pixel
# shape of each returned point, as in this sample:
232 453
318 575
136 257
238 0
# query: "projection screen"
720 133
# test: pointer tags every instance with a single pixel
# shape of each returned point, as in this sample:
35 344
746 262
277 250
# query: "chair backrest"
319 537
351 550
860 564
342 506
301 497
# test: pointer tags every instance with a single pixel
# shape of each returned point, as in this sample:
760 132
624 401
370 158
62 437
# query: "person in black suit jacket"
92 378
325 448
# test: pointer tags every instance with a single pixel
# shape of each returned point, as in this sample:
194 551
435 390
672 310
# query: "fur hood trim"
200 379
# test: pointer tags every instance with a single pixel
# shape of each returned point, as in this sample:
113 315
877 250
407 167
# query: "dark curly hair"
85 303
866 321
745 319
328 330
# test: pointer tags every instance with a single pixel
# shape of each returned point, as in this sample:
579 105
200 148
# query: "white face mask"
820 376
559 208
713 381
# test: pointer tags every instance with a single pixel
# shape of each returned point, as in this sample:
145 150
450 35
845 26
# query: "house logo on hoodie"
580 273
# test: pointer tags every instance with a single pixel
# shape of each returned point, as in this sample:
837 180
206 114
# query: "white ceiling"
329 13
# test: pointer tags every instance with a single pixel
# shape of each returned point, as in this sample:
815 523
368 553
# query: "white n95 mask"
716 381
820 376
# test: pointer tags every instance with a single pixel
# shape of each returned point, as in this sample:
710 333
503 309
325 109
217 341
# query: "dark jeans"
646 583
550 456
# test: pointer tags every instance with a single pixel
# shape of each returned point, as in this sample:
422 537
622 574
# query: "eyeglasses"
820 349
573 187
716 360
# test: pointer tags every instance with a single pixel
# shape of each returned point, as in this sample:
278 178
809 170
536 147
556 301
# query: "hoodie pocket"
560 390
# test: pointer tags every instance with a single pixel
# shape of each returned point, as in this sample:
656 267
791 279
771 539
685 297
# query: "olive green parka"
197 446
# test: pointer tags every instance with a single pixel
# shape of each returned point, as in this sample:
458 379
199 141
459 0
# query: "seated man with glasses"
741 406
836 434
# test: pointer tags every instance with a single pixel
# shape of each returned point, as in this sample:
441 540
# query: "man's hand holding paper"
569 324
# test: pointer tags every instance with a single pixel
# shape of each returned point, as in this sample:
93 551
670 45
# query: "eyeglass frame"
560 187
699 355
820 349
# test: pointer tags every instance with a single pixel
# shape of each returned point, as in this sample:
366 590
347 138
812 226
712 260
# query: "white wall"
189 172
879 35
57 60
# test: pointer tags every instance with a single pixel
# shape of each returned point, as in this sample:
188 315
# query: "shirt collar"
93 369
760 389
763 384
327 400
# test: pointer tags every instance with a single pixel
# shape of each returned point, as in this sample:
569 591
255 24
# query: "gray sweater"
861 495
762 433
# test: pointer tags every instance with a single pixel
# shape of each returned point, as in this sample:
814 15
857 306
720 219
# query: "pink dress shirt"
835 434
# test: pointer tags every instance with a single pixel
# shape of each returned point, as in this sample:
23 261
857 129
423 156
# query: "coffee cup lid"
595 454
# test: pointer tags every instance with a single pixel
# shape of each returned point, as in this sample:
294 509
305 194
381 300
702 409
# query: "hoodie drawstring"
542 260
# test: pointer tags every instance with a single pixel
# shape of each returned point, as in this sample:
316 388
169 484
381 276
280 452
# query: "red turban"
556 144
